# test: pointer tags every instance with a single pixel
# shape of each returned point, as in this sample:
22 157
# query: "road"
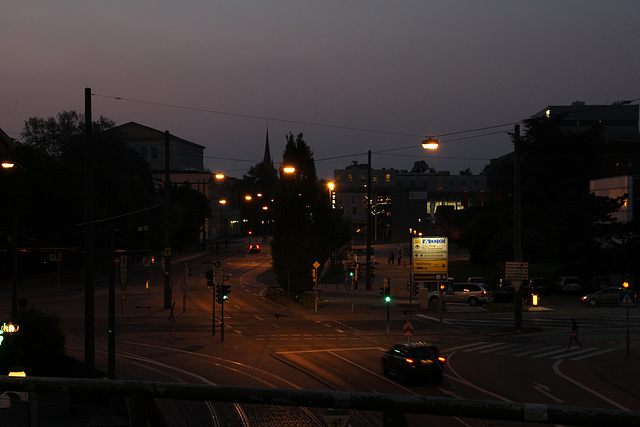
268 345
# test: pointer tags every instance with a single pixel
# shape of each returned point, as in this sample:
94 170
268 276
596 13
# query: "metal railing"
393 406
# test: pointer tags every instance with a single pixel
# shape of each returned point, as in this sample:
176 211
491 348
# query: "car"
254 249
414 360
599 282
504 282
539 284
568 284
470 293
506 294
608 295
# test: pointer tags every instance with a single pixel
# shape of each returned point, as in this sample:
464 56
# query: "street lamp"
430 143
331 187
222 202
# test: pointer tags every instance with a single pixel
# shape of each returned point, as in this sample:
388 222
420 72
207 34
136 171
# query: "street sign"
431 266
430 248
408 327
449 289
430 277
517 270
626 299
336 418
316 264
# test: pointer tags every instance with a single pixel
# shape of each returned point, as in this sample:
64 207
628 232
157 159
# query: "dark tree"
305 226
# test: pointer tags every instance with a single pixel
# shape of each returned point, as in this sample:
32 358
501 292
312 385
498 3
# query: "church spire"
267 154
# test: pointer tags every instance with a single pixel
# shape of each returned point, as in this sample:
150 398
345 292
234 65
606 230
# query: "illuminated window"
375 178
350 178
387 177
362 178
337 177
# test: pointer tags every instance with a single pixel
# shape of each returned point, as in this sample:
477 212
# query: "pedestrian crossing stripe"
551 352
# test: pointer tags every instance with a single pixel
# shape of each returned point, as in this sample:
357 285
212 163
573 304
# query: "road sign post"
517 272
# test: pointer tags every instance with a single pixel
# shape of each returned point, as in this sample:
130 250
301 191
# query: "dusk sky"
352 76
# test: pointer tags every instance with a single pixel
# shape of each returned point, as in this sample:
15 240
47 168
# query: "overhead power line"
298 122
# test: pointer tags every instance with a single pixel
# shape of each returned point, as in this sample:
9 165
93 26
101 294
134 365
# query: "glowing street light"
289 169
430 143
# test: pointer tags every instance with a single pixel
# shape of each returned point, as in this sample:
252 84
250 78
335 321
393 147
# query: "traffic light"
386 293
222 292
414 288
209 276
351 272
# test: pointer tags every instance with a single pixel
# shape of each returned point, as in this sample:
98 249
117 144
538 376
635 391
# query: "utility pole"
517 223
111 343
89 319
368 256
167 222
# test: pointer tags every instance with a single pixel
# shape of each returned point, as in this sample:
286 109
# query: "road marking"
331 350
544 389
556 369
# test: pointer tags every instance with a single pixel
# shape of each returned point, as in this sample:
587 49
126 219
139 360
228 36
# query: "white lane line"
556 369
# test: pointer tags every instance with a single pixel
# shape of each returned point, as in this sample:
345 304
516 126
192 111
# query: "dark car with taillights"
411 361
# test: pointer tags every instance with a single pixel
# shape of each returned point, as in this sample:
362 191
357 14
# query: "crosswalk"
498 322
529 350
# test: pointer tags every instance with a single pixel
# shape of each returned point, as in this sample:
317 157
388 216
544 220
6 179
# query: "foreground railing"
393 406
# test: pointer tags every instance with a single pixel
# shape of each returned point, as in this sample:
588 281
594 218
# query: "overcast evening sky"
352 76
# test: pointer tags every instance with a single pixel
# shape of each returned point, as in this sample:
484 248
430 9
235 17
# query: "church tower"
267 160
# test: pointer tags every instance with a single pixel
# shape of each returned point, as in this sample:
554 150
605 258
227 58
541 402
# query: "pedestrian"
573 335
399 256
392 257
171 316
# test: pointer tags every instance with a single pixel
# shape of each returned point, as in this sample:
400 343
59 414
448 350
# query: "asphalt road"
339 346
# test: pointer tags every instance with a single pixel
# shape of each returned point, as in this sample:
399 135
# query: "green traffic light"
387 299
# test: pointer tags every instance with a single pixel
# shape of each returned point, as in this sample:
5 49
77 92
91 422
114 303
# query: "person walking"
392 257
399 255
573 334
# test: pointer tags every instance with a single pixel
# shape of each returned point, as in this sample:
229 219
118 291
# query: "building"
404 204
150 143
619 120
186 167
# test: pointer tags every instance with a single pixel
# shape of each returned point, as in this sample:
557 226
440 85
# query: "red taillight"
257 246
484 292
408 360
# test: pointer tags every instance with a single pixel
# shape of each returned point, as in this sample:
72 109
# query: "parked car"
540 285
506 294
254 249
470 293
599 282
568 284
504 282
413 360
603 296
